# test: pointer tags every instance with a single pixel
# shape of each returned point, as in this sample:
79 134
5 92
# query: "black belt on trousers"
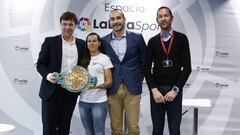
121 81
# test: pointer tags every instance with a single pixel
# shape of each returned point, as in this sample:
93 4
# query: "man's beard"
118 28
165 28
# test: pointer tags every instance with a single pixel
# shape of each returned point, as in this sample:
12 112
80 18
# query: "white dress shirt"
69 55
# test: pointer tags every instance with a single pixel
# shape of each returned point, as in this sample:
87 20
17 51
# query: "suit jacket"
130 70
50 60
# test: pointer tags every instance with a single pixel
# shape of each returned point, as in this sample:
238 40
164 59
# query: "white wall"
212 27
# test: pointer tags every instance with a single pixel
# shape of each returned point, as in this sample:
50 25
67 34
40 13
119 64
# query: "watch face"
176 89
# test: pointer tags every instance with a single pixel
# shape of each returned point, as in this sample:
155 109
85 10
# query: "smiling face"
117 21
67 27
164 19
93 44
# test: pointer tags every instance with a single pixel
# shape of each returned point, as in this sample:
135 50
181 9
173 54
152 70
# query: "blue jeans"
93 116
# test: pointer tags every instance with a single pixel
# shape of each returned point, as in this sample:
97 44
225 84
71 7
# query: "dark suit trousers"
173 110
57 112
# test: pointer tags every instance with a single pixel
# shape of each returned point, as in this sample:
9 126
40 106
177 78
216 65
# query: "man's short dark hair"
167 9
68 16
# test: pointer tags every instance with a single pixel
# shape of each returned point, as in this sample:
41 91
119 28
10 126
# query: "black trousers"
57 112
173 110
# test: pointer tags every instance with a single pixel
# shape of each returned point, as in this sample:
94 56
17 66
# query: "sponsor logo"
20 81
21 49
202 69
132 25
221 85
221 54
83 24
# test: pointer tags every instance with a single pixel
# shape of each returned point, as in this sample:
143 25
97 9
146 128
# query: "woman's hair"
87 56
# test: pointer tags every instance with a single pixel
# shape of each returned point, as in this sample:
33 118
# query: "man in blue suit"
58 54
127 53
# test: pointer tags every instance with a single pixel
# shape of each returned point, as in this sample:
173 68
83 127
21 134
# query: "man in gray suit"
127 53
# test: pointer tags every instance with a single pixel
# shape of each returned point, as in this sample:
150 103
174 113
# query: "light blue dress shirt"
119 45
165 38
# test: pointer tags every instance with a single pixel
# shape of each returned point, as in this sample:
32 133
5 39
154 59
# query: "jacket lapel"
59 52
110 50
128 40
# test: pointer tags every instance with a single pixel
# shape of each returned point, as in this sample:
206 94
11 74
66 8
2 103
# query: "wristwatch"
176 89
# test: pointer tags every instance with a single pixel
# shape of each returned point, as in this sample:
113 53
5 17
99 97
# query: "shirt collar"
124 35
72 43
169 34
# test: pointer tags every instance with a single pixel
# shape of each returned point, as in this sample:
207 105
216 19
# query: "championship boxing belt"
75 79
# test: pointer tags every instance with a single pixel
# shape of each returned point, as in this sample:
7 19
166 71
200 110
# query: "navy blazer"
132 65
50 60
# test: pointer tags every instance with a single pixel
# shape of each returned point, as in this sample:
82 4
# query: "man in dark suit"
127 53
169 53
58 54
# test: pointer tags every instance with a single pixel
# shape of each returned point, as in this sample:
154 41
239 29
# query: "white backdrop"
212 27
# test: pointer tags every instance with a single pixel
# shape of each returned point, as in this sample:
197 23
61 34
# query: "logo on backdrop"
222 54
83 24
20 81
21 49
222 85
202 69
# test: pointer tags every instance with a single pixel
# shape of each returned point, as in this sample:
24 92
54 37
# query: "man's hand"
170 96
51 78
158 97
